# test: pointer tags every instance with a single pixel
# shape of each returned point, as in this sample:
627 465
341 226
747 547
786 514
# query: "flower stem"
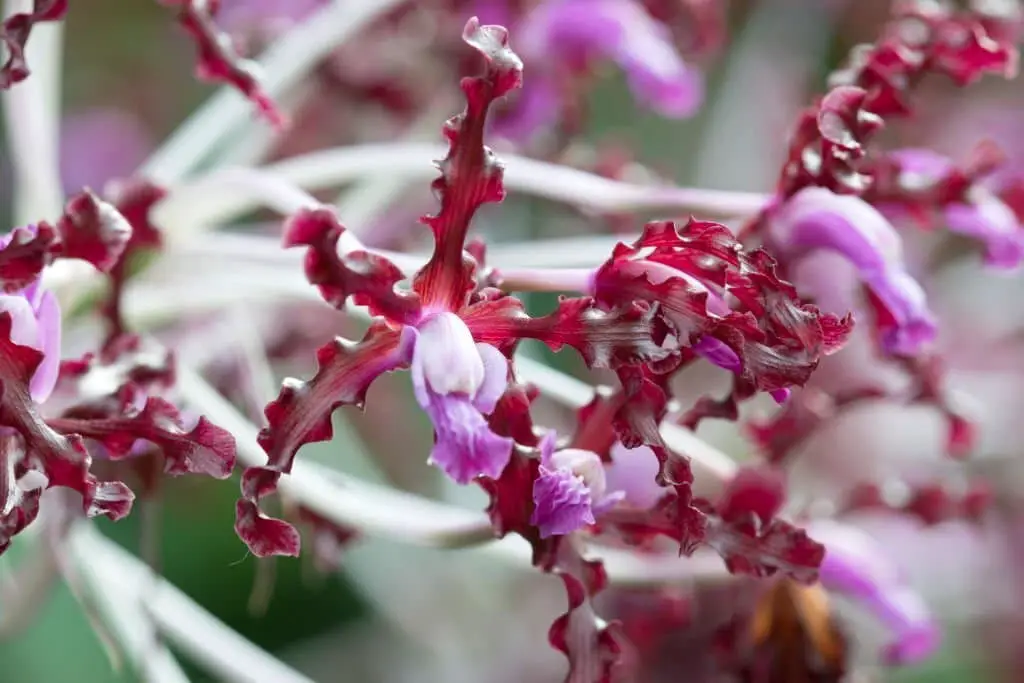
546 279
120 602
123 579
204 203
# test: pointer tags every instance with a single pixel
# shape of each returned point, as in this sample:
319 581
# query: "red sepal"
62 459
470 175
745 531
15 32
301 414
26 254
216 60
621 336
135 199
92 230
368 279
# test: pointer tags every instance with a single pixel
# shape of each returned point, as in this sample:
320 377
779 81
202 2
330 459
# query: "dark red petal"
205 449
592 645
28 252
929 377
470 175
217 61
62 459
921 38
93 230
752 492
688 247
931 503
128 359
802 414
637 421
511 415
963 50
264 536
301 414
367 278
595 430
125 381
745 532
15 32
135 199
604 339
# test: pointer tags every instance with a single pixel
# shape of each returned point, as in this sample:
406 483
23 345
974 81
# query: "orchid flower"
604 481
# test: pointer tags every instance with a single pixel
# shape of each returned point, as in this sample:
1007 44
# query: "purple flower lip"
571 490
818 219
620 30
457 382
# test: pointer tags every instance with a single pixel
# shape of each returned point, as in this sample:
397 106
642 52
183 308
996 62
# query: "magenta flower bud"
857 567
983 217
570 491
35 322
457 382
818 219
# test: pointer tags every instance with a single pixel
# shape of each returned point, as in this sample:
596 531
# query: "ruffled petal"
464 445
623 31
562 502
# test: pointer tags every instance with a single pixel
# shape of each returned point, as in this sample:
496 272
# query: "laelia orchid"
811 305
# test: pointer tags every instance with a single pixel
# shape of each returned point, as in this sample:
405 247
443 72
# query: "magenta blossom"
571 490
978 213
816 219
856 566
457 382
573 32
35 322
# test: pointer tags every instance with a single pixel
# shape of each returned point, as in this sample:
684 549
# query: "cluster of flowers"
683 292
